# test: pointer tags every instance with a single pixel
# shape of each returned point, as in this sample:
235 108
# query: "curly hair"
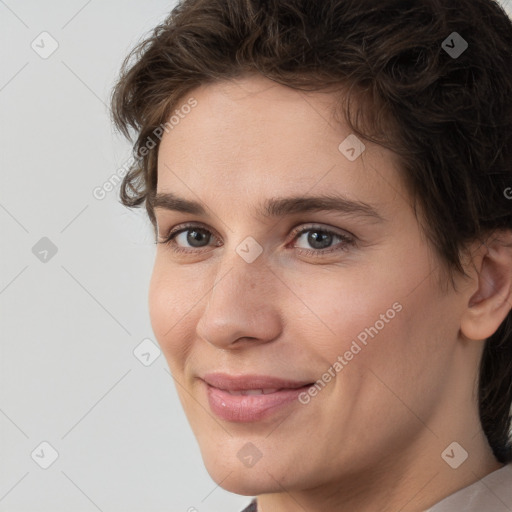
446 115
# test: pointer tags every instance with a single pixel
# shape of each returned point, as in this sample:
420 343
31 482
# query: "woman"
330 186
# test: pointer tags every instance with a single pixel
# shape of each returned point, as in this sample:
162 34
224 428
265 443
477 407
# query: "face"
332 309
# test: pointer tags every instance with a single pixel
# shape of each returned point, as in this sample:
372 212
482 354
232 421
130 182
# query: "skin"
372 439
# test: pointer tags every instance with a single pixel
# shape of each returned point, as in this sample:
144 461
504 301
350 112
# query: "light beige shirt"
493 493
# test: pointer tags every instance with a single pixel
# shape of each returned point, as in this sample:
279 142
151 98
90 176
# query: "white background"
69 326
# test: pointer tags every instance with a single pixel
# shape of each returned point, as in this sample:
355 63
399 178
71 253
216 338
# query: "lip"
250 408
244 382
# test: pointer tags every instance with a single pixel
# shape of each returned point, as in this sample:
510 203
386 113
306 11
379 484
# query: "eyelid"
309 226
188 225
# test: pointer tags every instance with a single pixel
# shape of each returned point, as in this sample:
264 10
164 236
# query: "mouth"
251 398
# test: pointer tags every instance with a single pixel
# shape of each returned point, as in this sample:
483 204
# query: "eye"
320 239
192 234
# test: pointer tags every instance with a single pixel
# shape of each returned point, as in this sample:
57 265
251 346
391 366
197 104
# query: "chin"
241 480
246 484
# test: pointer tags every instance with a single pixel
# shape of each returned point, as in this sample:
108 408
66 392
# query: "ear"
488 306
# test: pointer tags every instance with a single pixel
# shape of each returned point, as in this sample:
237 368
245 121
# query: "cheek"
347 304
380 317
405 353
171 304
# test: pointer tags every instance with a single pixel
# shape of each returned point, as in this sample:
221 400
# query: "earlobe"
489 305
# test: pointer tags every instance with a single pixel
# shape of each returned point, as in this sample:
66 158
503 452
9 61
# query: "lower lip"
246 408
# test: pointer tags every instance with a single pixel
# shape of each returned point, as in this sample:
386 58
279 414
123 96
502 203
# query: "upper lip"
245 382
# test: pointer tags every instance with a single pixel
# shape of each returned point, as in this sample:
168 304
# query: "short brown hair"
448 117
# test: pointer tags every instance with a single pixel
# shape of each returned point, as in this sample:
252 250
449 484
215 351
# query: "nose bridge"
241 303
242 268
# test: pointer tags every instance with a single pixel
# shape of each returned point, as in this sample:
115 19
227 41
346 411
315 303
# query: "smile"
250 398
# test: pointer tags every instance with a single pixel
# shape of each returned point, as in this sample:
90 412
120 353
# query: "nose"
242 306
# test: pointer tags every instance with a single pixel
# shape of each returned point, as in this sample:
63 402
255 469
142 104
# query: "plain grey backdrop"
89 416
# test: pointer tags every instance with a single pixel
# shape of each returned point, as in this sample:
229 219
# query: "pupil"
194 236
315 237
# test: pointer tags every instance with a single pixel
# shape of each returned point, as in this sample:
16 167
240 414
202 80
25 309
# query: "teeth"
253 392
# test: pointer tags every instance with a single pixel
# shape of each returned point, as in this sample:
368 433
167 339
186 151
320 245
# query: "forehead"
251 137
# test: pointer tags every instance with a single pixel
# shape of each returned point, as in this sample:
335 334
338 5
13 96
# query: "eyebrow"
277 207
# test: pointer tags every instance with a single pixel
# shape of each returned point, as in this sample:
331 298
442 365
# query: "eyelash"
346 240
